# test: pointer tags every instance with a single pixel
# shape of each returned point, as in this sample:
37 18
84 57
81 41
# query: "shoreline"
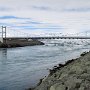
57 75
20 43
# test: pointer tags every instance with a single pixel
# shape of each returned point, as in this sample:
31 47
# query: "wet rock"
84 53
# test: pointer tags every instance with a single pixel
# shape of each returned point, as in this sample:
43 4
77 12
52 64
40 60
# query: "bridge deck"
48 37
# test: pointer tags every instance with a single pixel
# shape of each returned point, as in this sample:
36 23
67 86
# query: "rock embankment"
20 43
74 75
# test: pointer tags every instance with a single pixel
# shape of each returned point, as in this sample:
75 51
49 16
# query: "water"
21 68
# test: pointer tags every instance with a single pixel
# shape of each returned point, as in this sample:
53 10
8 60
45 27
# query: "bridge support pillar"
3 35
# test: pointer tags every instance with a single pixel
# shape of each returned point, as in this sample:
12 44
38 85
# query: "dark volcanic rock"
20 43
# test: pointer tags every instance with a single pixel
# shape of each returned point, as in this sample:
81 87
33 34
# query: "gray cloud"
77 10
41 8
5 9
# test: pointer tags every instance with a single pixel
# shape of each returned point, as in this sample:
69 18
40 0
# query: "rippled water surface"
21 68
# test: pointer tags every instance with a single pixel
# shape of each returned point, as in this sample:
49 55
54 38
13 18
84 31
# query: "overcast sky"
69 16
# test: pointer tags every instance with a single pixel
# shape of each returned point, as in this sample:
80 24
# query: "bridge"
19 35
50 37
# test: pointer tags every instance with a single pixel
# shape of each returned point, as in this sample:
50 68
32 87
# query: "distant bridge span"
56 37
19 36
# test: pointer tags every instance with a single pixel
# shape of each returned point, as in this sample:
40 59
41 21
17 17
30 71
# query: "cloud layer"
39 16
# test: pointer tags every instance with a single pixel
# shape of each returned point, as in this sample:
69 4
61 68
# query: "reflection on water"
22 67
3 56
3 52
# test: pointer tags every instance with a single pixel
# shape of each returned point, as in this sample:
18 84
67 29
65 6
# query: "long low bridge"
24 36
49 37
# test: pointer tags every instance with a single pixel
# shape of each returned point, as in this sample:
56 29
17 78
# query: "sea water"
22 67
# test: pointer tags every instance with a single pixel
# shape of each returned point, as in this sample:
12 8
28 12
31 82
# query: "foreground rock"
74 75
20 43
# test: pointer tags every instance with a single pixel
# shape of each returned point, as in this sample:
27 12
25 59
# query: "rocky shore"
73 75
20 43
